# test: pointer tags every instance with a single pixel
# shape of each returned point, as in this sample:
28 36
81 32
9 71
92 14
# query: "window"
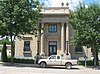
26 45
52 28
52 42
53 57
58 57
78 49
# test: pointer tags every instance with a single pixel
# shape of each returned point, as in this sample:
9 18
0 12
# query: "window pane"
53 57
58 57
50 49
55 28
54 49
52 42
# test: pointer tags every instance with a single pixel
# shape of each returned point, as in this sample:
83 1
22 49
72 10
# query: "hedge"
88 63
25 61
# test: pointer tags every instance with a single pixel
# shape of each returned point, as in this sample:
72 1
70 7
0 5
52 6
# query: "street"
51 70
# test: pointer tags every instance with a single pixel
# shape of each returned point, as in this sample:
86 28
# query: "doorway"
52 48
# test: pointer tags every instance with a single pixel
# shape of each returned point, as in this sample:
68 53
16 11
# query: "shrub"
0 50
4 53
89 63
25 61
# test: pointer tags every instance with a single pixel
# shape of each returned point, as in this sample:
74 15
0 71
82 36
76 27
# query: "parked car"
93 57
56 60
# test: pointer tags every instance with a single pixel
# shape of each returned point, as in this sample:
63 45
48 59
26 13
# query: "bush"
4 53
25 61
0 50
89 63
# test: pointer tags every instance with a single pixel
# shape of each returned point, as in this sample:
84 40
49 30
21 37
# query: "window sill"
78 52
52 31
27 52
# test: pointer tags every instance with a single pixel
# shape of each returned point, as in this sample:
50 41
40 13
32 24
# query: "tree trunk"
94 58
12 51
97 59
95 54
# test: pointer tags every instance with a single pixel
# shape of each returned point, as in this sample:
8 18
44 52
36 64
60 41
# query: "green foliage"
86 24
89 63
4 53
1 42
0 50
19 17
25 61
5 41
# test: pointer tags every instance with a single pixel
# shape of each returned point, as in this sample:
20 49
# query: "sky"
72 3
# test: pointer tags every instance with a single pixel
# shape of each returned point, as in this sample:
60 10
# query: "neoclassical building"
55 38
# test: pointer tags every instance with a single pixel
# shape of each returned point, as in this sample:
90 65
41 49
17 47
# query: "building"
55 39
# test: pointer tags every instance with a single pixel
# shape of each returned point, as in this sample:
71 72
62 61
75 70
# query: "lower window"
78 49
26 45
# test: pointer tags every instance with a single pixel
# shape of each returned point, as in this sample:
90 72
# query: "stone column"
42 39
62 37
67 39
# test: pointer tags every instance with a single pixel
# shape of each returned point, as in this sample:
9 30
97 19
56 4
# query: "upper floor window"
52 28
79 49
26 45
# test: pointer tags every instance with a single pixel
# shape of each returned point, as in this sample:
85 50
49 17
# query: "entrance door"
52 48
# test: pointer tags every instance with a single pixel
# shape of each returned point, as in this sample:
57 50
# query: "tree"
86 24
4 53
5 40
19 17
